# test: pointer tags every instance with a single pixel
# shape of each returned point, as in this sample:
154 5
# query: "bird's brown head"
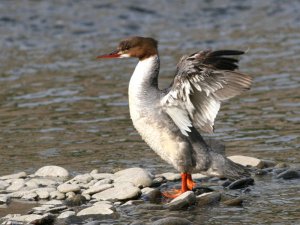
138 47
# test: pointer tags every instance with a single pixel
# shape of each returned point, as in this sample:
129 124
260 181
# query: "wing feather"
203 80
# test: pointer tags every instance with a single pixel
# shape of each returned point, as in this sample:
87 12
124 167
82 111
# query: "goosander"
170 120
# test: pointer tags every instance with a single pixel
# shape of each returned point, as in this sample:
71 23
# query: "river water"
59 105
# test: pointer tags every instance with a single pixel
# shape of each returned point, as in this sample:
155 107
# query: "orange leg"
184 187
190 183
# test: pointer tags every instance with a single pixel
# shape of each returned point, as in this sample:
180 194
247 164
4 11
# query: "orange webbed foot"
173 193
190 183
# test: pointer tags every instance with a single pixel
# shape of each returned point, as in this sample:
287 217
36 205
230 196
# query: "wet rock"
77 200
150 206
137 176
93 223
52 171
41 182
100 209
241 183
57 209
64 188
289 174
281 165
4 199
54 202
246 160
96 189
152 195
171 176
157 181
57 195
66 214
100 176
133 202
14 176
47 219
182 201
279 170
208 199
172 221
267 164
261 172
226 183
16 185
234 202
122 191
27 218
202 190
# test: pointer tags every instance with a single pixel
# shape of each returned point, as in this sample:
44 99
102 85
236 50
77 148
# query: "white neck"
143 85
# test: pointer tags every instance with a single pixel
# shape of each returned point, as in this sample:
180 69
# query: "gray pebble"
241 183
172 221
289 174
208 199
182 201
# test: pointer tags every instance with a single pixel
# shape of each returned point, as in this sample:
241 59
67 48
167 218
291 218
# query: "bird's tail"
226 168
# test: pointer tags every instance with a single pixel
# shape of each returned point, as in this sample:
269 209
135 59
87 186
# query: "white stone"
54 202
99 209
41 182
42 194
122 191
245 160
16 185
96 189
83 178
94 171
57 195
27 218
170 176
14 176
4 199
198 176
87 197
70 194
147 190
100 176
30 197
104 181
3 184
64 188
137 176
189 196
52 171
19 194
66 214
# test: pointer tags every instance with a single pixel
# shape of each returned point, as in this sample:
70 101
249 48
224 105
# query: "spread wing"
202 81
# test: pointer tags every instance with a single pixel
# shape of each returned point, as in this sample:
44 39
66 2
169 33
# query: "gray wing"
202 81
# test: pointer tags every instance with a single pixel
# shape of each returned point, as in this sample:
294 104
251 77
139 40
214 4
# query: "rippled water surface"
58 105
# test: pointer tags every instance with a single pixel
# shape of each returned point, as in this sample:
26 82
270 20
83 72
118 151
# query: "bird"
172 120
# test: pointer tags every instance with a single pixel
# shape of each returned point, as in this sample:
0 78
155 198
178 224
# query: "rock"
4 199
54 202
27 218
3 185
30 197
19 194
57 195
41 182
241 183
267 164
137 176
14 176
122 191
96 189
70 194
234 202
77 200
102 209
64 188
66 214
208 199
52 171
16 185
83 178
93 223
103 181
199 176
57 209
150 206
157 181
289 174
246 160
100 176
44 193
281 165
47 219
172 221
261 172
152 195
87 197
182 201
171 176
